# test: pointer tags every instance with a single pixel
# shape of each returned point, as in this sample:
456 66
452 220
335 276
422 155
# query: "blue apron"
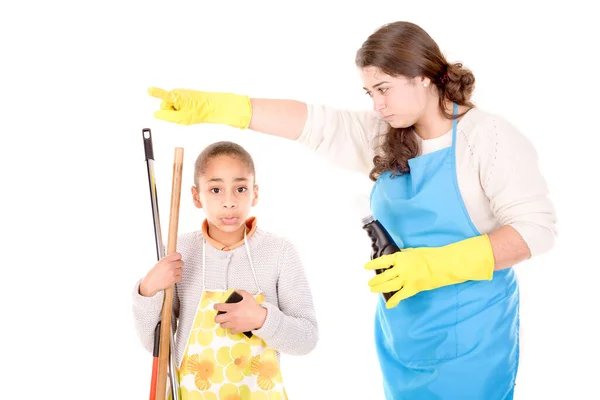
456 342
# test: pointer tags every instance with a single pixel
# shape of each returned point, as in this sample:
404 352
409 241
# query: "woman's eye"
369 94
215 190
383 90
242 189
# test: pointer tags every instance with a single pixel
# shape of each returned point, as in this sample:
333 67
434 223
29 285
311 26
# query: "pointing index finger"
159 94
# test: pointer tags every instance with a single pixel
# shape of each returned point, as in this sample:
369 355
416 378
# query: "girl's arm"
291 328
147 312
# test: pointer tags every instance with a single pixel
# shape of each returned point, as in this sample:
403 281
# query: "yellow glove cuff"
229 109
473 259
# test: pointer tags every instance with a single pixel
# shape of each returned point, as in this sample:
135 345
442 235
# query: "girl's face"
400 101
226 192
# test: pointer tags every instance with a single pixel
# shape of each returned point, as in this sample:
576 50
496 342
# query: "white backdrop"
75 208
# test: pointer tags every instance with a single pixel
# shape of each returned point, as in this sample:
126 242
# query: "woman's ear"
196 197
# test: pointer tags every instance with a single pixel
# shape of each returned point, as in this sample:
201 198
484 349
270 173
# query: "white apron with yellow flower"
217 364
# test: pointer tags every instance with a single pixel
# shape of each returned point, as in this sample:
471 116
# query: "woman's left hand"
411 271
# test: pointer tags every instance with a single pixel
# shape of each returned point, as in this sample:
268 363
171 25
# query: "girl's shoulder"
270 240
189 243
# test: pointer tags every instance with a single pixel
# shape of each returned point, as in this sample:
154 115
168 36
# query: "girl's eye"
383 90
369 94
215 190
241 189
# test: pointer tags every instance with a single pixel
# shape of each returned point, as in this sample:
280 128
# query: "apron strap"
251 264
203 264
454 124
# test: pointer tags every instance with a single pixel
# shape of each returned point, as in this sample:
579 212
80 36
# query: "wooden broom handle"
165 325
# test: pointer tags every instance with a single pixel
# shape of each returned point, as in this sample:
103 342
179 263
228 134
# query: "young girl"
235 352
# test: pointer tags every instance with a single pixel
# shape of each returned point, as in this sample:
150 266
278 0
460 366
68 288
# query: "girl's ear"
196 197
255 199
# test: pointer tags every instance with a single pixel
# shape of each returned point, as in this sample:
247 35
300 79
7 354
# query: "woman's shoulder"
482 122
485 131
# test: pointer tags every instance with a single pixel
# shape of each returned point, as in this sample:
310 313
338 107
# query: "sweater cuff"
147 303
538 239
272 322
305 135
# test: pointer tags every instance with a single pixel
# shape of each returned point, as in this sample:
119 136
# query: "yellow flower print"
259 396
198 321
224 356
203 338
185 395
237 337
210 396
240 337
266 367
236 360
203 329
267 396
184 359
275 396
208 323
240 353
255 341
230 391
205 369
211 297
195 395
220 331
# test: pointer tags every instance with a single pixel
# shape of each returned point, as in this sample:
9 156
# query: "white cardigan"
497 167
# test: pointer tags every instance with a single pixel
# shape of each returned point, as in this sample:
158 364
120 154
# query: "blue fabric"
456 342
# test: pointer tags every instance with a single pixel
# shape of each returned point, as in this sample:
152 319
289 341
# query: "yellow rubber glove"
187 107
413 270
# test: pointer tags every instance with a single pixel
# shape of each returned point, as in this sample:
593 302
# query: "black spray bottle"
381 243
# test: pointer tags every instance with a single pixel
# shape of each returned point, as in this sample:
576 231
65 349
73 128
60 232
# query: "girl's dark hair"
223 148
403 48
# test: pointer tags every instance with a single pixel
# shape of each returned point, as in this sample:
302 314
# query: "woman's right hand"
164 274
187 107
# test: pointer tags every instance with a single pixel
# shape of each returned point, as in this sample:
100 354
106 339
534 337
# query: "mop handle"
167 307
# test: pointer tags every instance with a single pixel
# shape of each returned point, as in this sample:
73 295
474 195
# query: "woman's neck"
433 123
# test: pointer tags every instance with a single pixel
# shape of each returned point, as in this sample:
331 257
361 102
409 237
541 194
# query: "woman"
459 190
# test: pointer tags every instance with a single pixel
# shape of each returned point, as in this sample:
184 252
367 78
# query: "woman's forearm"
283 118
508 247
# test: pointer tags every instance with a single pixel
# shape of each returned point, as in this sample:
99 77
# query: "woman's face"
400 101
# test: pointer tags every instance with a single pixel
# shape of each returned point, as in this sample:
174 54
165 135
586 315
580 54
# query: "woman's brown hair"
403 48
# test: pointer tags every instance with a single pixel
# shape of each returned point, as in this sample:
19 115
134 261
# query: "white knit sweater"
497 167
290 326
